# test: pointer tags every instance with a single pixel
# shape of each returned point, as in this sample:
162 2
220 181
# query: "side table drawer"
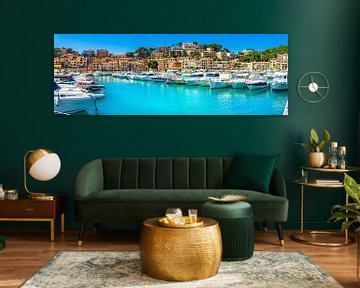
31 209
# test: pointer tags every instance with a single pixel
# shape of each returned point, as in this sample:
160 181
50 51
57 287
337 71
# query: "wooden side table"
26 209
297 235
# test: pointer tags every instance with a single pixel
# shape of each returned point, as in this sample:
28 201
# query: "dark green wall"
323 36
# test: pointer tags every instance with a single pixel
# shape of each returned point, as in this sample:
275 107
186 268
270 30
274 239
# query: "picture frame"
171 74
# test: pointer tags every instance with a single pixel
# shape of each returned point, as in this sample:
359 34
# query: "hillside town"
180 57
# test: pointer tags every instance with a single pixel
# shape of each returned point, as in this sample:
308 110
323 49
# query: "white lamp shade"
46 168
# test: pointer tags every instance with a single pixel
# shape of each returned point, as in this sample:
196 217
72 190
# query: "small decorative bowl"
228 198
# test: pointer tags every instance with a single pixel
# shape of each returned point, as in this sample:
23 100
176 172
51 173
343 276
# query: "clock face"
313 87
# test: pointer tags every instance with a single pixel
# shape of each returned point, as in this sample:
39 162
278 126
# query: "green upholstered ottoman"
236 221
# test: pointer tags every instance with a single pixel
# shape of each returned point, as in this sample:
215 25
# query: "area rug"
80 269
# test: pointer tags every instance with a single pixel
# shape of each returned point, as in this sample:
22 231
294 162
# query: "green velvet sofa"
130 190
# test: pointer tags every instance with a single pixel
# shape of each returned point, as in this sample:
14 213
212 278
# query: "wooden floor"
28 250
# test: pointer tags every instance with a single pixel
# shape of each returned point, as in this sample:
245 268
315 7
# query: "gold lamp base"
41 196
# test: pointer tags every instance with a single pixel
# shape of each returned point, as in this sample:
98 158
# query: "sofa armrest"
89 179
277 184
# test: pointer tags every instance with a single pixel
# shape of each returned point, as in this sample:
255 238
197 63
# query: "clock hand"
321 96
312 79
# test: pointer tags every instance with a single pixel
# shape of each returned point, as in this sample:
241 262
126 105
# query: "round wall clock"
313 87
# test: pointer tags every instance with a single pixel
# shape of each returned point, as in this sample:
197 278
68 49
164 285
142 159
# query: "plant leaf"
326 136
346 225
321 146
352 188
352 207
314 135
337 216
306 146
312 144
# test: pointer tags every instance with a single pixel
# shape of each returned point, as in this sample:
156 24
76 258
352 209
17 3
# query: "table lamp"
43 165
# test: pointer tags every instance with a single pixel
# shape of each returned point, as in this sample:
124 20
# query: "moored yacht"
73 101
64 79
120 75
223 81
194 79
86 86
84 77
280 82
204 81
159 78
181 80
257 82
171 79
147 76
239 80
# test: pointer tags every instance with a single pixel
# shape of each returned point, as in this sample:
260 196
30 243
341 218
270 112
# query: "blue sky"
122 43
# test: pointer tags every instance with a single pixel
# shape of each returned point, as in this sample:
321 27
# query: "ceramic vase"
317 159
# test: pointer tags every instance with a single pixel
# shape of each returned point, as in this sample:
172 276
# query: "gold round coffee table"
180 254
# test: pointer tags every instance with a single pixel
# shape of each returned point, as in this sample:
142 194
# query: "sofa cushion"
266 207
251 172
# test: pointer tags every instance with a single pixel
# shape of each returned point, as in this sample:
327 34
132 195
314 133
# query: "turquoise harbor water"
132 97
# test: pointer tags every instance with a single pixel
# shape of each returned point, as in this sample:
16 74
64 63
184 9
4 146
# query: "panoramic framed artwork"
171 74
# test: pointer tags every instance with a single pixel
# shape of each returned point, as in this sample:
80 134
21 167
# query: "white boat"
120 75
224 81
72 104
171 80
194 79
239 80
84 77
131 76
66 86
73 101
102 74
280 82
181 80
159 78
89 86
204 81
64 78
93 87
257 82
171 77
139 76
147 76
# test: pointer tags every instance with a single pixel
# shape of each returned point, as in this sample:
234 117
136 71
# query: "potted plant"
350 213
317 157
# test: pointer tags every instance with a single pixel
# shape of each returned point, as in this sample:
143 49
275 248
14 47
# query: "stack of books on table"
327 181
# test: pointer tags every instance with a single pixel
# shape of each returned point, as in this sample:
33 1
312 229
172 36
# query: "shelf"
348 169
313 184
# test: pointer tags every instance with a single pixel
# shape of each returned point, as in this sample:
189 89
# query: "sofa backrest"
165 173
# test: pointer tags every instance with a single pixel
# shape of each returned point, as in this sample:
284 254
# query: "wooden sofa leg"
280 233
81 233
265 227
